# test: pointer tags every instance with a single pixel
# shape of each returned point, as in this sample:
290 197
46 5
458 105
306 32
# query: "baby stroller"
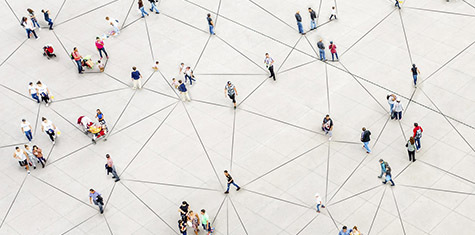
87 62
48 51
98 132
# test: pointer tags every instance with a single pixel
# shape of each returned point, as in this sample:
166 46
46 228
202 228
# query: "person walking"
333 13
391 100
230 89
270 65
77 58
195 221
415 71
33 19
111 168
397 109
388 176
136 78
182 226
397 4
299 22
184 209
39 155
321 50
319 202
114 23
205 221
22 158
332 48
153 6
49 128
327 126
142 9
26 128
97 199
28 25
31 156
47 19
383 165
210 24
230 181
44 92
417 134
345 231
33 92
365 138
411 149
313 17
189 75
183 91
100 47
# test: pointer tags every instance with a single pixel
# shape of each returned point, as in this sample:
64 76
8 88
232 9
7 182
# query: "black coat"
365 136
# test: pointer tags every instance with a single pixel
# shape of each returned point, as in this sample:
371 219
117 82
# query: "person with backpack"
417 135
332 48
153 6
365 139
383 165
77 58
97 199
313 16
415 71
411 149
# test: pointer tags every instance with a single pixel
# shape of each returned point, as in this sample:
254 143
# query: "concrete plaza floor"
167 151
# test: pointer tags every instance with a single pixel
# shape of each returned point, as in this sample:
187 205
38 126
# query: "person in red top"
100 47
417 135
332 48
77 58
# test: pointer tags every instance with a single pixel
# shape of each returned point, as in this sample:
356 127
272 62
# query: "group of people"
313 19
86 61
31 24
40 90
29 157
189 218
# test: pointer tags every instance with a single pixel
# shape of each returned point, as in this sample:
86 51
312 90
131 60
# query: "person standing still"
33 92
230 181
231 91
332 48
100 47
270 65
77 58
299 22
415 71
97 199
417 135
321 50
153 6
391 99
365 138
210 24
313 17
26 128
183 91
47 19
397 109
111 166
411 149
333 13
142 9
327 126
136 78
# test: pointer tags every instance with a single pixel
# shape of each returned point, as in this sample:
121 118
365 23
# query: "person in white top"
391 99
155 66
49 128
319 202
175 83
44 92
33 92
397 109
30 155
181 68
114 23
22 158
28 25
189 75
333 14
26 128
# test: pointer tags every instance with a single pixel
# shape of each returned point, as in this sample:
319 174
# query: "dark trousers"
50 23
418 143
44 97
332 17
233 97
78 62
28 134
50 133
28 31
191 79
412 155
103 50
397 4
271 70
35 96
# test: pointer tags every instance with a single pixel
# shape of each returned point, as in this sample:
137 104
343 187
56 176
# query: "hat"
317 195
398 99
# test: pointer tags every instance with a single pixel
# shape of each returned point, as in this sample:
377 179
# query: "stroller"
48 51
87 62
98 131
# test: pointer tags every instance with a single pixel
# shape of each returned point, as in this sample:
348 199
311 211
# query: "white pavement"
167 151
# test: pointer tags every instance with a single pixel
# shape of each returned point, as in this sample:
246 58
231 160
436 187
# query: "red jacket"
415 130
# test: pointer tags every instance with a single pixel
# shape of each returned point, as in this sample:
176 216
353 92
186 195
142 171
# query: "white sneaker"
28 172
54 143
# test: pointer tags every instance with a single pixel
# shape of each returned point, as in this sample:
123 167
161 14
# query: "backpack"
418 134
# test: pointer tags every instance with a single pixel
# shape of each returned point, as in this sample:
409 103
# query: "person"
417 135
231 91
100 47
195 221
313 16
411 149
355 231
415 71
345 231
183 91
33 92
397 4
100 65
142 9
299 22
388 176
22 159
365 138
383 165
319 202
205 221
175 83
189 75
327 126
332 48
26 128
270 65
153 6
321 49
397 109
33 19
182 226
210 24
100 117
333 13
49 128
44 93
39 155
230 181
28 25
184 210
181 67
136 76
31 156
391 99
114 23
47 19
155 66
77 58
111 168
97 199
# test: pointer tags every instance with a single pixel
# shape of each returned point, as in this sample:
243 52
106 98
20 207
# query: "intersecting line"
127 15
239 217
16 49
276 198
101 6
331 217
290 52
202 51
219 209
354 195
92 94
437 11
149 77
437 189
469 4
13 202
171 185
398 212
217 14
107 223
377 210
232 141
60 8
77 225
116 79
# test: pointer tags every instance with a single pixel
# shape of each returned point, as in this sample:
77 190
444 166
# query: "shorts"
23 163
233 97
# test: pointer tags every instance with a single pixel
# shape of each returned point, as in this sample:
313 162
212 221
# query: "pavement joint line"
149 40
437 11
377 210
170 85
255 89
278 199
13 52
232 74
270 13
89 95
331 217
239 217
60 8
405 37
290 52
469 4
217 14
448 172
13 202
219 210
108 226
127 15
116 79
306 225
77 225
149 77
232 141
87 12
171 185
436 189
36 121
328 88
240 52
398 212
354 195
328 171
183 22
202 52
121 113
11 9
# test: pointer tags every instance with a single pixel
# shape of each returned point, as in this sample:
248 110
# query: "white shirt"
20 155
32 89
391 100
334 11
113 22
188 72
28 24
48 125
397 107
42 89
25 126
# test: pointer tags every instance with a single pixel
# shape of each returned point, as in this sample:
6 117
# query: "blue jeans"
78 62
29 135
382 172
391 106
101 209
211 29
322 54
318 206
142 9
366 146
299 24
229 184
103 50
418 143
334 54
35 96
313 24
415 78
29 31
50 23
189 77
153 7
35 23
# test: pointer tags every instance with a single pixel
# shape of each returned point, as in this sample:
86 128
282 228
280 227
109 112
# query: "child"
174 83
100 65
155 66
189 75
181 67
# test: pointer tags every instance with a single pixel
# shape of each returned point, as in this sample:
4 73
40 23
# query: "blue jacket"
182 88
348 231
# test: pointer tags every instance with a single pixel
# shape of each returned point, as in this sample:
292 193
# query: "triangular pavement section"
301 53
196 13
456 7
10 35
